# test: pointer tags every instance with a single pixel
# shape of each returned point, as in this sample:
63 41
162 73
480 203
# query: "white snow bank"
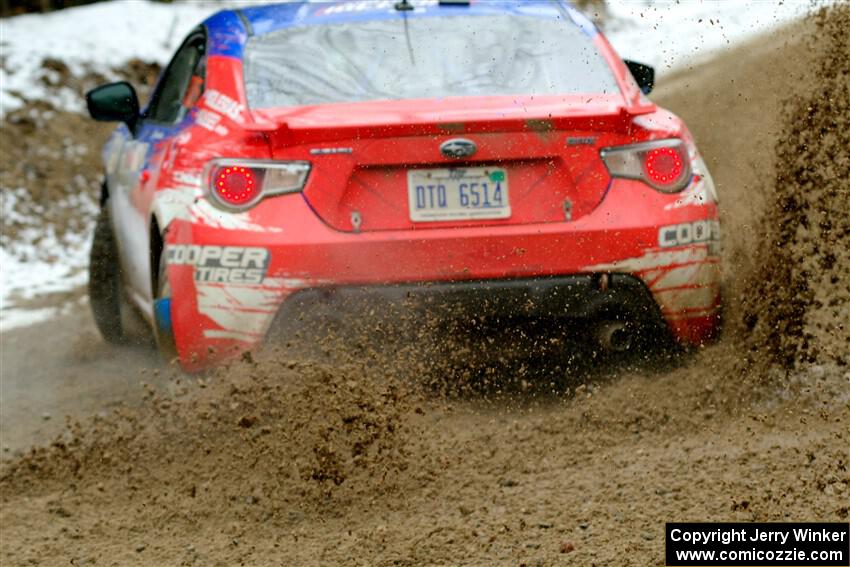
676 33
96 37
38 262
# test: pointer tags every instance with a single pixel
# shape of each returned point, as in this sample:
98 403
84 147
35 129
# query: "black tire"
105 280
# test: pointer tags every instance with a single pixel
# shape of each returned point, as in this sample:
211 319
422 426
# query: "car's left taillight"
236 184
664 165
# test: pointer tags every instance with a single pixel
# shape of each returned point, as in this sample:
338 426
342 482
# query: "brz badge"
458 148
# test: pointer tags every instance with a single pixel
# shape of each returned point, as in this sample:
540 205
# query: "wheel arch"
104 191
157 246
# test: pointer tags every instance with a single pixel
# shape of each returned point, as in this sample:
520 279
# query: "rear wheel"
105 295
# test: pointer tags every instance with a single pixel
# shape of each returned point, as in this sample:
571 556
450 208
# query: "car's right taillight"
664 165
237 184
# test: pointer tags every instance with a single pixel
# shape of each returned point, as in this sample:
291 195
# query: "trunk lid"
539 155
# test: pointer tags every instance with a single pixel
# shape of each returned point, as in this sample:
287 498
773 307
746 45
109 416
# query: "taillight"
236 186
664 164
241 184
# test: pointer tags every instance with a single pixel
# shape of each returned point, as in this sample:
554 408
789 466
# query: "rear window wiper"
405 6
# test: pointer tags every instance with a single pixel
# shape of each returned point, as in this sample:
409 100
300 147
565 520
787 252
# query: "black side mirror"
644 75
115 102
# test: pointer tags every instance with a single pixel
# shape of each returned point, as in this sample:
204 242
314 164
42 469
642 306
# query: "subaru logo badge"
458 148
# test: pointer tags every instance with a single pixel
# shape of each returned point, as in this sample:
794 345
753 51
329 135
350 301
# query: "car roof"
229 29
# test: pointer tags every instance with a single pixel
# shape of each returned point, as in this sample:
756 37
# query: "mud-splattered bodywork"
231 272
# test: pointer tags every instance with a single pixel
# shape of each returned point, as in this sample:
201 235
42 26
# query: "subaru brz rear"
491 153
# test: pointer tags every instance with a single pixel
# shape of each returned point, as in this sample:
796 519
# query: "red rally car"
469 151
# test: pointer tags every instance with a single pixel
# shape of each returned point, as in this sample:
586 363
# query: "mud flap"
164 328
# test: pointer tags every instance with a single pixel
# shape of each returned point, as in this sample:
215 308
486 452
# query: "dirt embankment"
286 461
803 316
51 170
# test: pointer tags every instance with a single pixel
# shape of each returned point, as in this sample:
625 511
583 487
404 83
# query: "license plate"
458 193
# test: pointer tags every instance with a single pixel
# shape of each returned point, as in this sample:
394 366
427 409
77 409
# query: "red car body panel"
615 225
307 253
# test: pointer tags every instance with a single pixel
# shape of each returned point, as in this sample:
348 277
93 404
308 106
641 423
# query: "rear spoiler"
286 132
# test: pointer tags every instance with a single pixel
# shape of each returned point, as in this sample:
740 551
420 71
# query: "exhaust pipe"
614 336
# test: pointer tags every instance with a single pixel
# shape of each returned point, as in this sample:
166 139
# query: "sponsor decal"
210 120
683 280
364 5
243 313
222 264
222 103
697 232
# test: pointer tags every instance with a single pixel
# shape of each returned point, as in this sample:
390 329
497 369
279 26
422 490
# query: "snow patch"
97 37
671 34
38 262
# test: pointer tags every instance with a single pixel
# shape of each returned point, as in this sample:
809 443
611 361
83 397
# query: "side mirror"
115 102
644 75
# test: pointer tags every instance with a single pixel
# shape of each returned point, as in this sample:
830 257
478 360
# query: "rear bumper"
283 258
584 296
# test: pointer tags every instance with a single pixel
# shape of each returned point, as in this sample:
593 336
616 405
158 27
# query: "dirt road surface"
63 367
285 461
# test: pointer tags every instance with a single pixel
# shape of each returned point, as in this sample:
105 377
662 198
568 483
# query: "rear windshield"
423 57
